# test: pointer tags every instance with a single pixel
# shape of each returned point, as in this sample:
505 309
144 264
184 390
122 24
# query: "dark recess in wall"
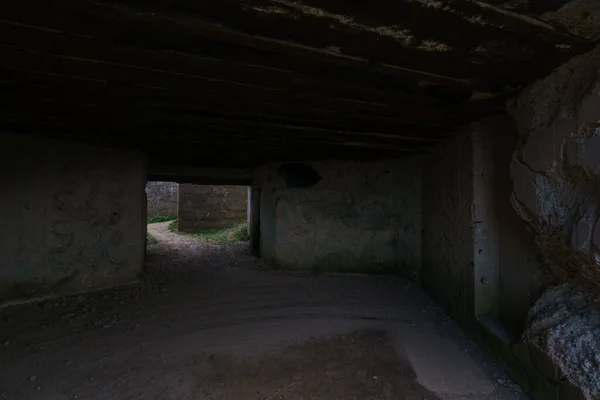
298 175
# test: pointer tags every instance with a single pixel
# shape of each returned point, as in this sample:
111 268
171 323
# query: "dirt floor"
211 322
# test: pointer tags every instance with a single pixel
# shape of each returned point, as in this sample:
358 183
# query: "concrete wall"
511 238
354 217
479 258
210 207
73 217
506 260
162 198
447 224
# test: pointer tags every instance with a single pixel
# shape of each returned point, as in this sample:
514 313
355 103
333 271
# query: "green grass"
160 218
234 233
150 240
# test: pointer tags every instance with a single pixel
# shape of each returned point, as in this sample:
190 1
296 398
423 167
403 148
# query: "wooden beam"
29 85
163 30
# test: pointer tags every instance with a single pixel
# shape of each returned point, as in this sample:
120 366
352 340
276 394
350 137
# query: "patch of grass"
150 240
174 226
234 233
160 218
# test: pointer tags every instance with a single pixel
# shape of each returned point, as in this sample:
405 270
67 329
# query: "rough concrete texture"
448 256
556 173
506 259
348 217
162 198
210 207
72 217
210 322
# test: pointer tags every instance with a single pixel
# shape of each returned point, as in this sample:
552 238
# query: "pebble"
32 378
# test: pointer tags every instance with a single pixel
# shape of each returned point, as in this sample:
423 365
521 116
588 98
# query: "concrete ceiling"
237 83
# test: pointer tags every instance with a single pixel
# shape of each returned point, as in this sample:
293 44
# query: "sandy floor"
209 322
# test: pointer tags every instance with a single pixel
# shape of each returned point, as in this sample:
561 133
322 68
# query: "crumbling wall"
210 207
342 216
162 198
556 173
73 217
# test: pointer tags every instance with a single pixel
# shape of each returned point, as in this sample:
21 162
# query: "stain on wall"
358 217
72 217
210 207
162 198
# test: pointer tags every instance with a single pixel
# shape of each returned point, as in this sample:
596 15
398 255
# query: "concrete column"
72 217
254 220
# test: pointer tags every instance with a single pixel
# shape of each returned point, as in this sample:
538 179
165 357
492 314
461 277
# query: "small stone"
32 378
501 381
376 378
38 388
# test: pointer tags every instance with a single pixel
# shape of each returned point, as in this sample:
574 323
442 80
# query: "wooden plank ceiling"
236 83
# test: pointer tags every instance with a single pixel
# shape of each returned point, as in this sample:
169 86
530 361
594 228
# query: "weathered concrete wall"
72 217
163 198
447 225
352 217
506 259
511 211
556 173
479 259
210 207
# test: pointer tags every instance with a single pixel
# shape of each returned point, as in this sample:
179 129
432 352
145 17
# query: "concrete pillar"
254 220
72 217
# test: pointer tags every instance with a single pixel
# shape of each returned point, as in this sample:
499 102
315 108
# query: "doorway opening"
212 214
